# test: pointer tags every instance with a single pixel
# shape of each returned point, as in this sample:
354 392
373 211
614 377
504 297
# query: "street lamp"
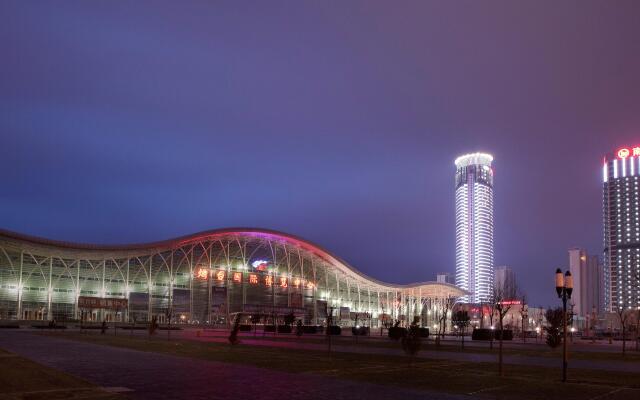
564 287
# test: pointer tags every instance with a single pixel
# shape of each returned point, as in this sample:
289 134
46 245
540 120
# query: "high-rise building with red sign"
621 177
474 226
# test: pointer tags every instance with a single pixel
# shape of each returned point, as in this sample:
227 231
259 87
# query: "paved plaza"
145 375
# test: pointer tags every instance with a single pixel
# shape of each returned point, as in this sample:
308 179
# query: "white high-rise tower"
474 226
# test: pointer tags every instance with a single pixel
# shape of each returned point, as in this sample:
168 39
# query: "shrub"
360 331
482 334
424 332
310 329
411 342
334 330
284 328
397 333
505 334
289 319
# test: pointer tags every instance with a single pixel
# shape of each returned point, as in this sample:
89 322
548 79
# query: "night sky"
335 121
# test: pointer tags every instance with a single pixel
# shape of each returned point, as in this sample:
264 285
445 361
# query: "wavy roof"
169 244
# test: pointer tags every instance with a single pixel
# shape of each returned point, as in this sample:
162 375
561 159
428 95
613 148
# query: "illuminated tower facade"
621 176
474 226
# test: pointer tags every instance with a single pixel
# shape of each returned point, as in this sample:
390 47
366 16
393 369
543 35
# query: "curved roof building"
199 278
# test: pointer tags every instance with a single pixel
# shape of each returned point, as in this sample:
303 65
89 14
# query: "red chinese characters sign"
99 302
627 151
220 275
202 273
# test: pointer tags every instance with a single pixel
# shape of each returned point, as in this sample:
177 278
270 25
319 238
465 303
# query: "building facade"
202 278
446 277
474 226
588 283
621 173
505 282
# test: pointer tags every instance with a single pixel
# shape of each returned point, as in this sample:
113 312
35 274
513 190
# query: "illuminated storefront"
201 278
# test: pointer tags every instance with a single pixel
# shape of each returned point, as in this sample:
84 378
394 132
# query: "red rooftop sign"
626 152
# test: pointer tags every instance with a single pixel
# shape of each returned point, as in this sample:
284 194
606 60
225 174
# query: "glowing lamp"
559 281
568 283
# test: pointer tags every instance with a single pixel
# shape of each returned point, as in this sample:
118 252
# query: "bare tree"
442 316
328 332
482 305
501 307
461 320
524 313
492 304
624 316
169 314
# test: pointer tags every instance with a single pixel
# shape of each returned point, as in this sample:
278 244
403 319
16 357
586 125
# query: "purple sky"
138 122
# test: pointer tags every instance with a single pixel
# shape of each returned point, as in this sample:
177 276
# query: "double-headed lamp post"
564 287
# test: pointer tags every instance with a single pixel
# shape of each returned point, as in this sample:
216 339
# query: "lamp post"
564 287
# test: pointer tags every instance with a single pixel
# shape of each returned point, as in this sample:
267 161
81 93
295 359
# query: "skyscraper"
505 281
587 282
474 226
621 173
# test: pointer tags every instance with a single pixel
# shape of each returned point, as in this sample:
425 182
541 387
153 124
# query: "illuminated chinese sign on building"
220 275
510 302
237 277
202 273
626 152
99 302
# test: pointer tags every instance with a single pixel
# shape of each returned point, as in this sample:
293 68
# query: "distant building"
621 195
474 226
505 282
445 277
588 283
